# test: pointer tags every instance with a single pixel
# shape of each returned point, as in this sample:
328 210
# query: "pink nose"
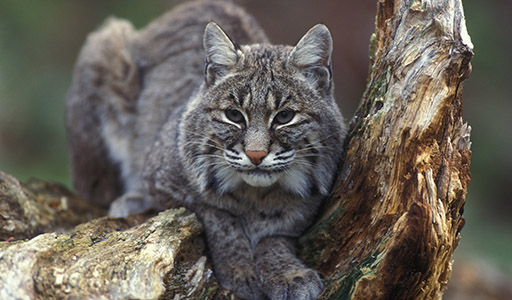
256 156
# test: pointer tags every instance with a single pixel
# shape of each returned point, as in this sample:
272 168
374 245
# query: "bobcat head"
265 116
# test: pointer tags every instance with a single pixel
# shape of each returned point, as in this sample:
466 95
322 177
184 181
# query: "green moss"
341 288
64 243
316 239
379 86
376 90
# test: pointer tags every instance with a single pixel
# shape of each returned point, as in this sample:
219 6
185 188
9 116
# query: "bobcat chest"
265 212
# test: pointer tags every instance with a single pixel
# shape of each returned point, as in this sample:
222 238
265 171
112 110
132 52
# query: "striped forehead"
259 85
259 94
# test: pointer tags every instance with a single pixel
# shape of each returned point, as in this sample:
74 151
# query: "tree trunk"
388 231
394 218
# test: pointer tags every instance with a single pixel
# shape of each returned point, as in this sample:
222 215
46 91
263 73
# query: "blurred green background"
40 40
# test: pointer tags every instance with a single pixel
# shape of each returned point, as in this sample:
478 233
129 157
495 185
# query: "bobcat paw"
129 204
242 281
248 288
297 284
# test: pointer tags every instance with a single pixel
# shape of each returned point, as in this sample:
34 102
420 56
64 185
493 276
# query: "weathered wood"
34 207
387 232
137 257
393 221
111 258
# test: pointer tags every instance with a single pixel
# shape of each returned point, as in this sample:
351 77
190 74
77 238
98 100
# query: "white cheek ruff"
296 181
228 180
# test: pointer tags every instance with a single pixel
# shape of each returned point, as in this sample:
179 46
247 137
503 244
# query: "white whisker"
209 155
203 144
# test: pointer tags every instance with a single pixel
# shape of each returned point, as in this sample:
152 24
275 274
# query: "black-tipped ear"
312 55
221 53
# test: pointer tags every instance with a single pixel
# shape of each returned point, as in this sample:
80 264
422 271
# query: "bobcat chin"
211 116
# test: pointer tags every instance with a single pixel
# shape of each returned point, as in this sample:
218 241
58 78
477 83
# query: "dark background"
40 40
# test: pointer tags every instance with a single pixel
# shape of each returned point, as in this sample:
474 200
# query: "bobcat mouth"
271 169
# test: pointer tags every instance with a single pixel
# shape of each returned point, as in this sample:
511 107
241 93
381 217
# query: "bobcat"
244 133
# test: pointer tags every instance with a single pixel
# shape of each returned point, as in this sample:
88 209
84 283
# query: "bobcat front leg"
231 253
283 275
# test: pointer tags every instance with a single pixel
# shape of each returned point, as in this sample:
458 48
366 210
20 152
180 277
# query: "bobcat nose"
256 156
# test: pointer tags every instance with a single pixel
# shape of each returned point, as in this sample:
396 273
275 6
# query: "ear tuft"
314 48
221 53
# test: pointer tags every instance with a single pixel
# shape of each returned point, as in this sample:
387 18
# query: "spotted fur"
244 133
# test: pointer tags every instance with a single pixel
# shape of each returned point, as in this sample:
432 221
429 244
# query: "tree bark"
394 219
28 209
388 231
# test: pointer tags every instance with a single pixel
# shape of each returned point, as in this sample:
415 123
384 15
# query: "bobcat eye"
284 117
234 115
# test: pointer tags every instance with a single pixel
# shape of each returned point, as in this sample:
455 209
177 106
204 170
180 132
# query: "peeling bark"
388 231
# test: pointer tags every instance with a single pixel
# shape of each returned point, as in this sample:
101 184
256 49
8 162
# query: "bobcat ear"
312 55
221 53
